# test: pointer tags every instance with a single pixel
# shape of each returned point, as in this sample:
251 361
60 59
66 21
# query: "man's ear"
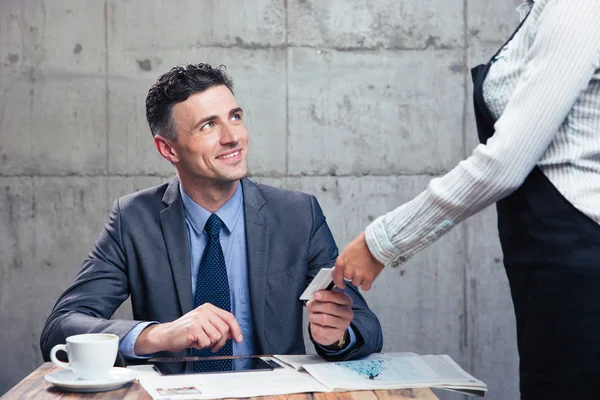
166 148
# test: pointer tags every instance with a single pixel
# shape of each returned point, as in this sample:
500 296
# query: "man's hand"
329 313
205 326
356 264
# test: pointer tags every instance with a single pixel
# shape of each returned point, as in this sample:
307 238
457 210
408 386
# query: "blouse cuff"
380 245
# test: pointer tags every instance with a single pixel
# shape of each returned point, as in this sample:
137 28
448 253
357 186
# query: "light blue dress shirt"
233 242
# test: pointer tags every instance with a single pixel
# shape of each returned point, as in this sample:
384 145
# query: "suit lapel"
257 241
172 222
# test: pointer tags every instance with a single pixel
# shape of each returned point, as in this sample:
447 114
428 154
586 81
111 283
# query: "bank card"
323 281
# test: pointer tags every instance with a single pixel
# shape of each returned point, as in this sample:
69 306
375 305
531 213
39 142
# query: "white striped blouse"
544 88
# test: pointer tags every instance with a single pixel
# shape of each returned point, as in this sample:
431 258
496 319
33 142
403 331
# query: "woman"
537 107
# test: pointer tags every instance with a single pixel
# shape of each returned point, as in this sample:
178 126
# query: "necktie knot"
213 225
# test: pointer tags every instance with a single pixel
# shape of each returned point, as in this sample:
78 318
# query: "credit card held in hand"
323 281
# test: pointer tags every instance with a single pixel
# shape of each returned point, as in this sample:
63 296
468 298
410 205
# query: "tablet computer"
214 365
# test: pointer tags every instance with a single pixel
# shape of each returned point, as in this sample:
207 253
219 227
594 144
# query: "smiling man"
214 263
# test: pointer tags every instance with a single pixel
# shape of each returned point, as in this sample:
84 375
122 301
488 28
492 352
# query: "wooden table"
35 387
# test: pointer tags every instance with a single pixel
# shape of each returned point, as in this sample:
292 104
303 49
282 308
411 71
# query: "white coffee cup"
91 355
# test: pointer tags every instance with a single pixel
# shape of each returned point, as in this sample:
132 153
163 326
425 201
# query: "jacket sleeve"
94 295
322 254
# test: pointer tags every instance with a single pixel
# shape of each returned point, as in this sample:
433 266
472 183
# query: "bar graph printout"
380 371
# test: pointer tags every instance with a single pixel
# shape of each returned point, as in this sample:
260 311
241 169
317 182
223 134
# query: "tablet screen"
235 364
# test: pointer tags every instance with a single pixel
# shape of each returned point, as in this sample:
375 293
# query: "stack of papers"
389 371
280 381
311 373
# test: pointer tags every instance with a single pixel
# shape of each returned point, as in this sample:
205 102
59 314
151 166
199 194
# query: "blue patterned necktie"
212 286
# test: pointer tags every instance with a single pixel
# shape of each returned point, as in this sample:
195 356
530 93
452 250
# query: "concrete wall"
360 102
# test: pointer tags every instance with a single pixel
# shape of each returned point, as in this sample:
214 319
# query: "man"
213 261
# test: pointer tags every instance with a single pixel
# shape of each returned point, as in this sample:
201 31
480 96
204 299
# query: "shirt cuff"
127 345
351 343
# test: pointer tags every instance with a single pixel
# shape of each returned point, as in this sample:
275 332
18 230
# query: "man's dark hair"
176 86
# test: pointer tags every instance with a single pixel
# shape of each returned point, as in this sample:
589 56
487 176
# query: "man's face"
212 140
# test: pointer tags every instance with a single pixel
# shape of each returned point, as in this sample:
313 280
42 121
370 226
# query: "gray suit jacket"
143 252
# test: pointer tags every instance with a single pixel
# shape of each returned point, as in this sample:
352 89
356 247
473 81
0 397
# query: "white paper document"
233 385
381 371
311 373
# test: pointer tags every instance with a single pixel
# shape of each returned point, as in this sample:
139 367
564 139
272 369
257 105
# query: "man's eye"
236 117
208 125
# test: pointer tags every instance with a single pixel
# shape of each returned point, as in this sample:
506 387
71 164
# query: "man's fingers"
216 346
339 318
223 329
328 320
218 323
212 333
217 330
200 341
333 296
331 309
234 328
343 312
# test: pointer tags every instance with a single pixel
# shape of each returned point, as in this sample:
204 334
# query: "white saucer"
66 380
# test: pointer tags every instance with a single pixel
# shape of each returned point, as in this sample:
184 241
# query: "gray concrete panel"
357 113
121 186
48 227
165 25
49 36
355 25
52 124
259 85
52 109
489 21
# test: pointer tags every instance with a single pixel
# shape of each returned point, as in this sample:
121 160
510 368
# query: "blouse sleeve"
563 56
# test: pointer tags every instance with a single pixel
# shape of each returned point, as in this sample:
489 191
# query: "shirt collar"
198 215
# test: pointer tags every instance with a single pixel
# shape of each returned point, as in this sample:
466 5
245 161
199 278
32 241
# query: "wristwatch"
342 341
340 344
